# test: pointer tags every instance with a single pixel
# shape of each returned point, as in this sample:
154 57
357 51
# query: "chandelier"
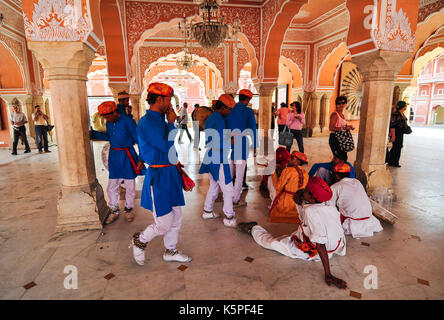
186 61
212 30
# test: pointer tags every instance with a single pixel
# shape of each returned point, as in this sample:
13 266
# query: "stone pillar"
325 112
135 103
264 122
378 69
81 200
315 129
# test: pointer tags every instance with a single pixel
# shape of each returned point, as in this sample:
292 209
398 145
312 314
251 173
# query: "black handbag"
286 137
406 128
49 127
345 140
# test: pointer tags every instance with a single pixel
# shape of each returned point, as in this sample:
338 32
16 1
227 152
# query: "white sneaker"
139 255
138 249
231 223
174 255
210 215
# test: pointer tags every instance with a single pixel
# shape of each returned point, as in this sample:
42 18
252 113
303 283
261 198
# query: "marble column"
135 103
315 129
264 122
81 203
325 112
379 70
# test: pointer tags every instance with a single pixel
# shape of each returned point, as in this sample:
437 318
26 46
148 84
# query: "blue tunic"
120 134
218 148
155 147
240 119
329 166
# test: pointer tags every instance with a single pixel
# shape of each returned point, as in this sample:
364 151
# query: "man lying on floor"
318 237
350 198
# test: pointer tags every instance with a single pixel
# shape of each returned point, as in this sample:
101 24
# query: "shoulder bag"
286 137
345 140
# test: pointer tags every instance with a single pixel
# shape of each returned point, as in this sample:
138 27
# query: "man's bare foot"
331 280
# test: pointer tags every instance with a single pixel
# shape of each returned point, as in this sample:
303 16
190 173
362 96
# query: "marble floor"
409 255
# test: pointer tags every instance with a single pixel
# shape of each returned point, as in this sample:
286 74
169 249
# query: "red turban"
161 89
282 156
299 155
106 107
227 100
246 92
319 189
342 167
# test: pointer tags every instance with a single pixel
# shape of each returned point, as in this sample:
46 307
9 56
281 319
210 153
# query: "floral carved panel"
428 9
16 47
325 50
297 56
58 20
242 59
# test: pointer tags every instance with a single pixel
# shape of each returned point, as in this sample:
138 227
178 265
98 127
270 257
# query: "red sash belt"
307 246
343 218
128 153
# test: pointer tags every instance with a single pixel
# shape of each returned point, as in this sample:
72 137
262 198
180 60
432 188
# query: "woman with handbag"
295 121
398 127
338 126
281 115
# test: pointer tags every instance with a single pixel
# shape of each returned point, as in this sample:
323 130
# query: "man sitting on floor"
318 237
293 178
350 198
325 170
276 166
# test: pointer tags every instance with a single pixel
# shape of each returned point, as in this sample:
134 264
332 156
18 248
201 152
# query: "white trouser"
167 226
271 188
213 192
114 194
283 244
196 134
239 166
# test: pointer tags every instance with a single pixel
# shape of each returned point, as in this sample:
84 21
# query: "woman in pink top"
295 121
282 114
337 123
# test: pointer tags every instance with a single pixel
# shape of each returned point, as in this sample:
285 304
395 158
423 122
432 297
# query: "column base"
81 208
316 131
373 177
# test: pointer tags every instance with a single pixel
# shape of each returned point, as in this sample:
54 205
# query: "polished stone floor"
409 255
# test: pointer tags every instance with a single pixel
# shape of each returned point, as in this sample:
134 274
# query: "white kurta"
321 225
350 198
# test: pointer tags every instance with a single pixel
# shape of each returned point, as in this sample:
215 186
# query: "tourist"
325 170
293 178
242 122
183 123
398 127
338 123
295 121
196 128
162 180
124 107
18 120
273 116
350 198
318 237
41 128
282 114
123 163
216 162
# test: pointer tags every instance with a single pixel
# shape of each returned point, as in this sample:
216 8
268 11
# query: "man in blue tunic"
325 170
124 107
216 161
242 123
123 161
162 183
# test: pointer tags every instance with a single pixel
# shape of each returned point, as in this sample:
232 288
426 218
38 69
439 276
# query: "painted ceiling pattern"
269 12
325 50
58 20
295 55
142 16
428 9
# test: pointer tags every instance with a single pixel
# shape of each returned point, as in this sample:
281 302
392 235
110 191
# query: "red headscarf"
282 156
319 189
